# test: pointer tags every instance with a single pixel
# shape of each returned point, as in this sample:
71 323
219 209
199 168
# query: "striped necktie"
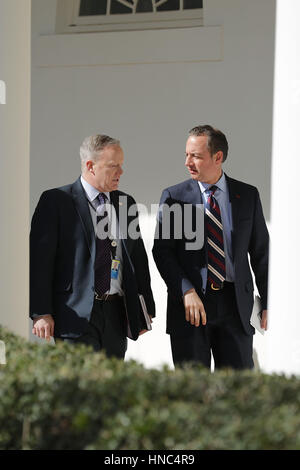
103 256
216 270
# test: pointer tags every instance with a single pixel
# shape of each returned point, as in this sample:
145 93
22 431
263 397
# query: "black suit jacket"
62 255
180 268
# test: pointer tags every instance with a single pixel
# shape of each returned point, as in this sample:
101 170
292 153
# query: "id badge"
115 267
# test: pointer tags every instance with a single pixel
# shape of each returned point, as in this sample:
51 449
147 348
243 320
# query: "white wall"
14 163
149 94
283 346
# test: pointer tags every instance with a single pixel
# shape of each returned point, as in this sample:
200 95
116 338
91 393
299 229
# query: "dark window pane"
144 6
92 7
98 7
189 4
169 5
118 8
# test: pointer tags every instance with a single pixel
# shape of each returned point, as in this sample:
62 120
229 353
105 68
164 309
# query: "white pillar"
14 163
283 338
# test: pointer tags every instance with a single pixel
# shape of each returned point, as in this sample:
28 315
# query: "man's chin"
115 186
194 176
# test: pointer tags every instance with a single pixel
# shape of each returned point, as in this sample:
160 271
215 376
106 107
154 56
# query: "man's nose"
187 161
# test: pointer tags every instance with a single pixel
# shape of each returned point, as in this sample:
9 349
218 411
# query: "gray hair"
91 146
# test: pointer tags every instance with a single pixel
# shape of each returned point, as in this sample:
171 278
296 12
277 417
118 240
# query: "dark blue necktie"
103 255
216 270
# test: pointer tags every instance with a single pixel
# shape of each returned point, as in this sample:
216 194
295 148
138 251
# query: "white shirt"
92 196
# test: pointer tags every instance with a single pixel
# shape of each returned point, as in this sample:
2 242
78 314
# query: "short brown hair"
216 139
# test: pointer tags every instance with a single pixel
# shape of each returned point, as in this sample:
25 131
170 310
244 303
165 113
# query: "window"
114 15
112 7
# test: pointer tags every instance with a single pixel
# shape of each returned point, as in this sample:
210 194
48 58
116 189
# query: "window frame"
69 21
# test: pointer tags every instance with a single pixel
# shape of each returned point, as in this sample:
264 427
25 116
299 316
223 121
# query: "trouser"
106 329
223 336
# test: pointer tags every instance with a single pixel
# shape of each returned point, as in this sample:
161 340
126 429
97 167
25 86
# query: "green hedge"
66 397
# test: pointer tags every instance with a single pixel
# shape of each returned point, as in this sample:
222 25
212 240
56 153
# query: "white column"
14 163
283 338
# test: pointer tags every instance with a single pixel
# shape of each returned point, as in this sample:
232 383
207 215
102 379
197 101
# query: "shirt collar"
221 184
91 192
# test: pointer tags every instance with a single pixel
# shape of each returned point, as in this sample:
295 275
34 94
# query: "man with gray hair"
89 277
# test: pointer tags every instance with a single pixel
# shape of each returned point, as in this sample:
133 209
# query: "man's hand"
43 327
264 320
194 308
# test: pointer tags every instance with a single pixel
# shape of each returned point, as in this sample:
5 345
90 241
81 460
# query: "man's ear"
89 165
219 157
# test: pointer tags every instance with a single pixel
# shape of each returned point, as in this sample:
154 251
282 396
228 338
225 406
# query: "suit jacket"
62 256
180 268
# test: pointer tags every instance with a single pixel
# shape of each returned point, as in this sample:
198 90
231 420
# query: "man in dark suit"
87 270
210 288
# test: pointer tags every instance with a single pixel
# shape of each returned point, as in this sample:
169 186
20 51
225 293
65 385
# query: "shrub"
67 397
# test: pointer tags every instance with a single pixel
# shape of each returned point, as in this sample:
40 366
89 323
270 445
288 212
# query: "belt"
211 287
106 297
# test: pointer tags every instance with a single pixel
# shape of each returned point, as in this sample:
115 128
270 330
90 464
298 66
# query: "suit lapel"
234 198
83 210
121 205
193 194
114 198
